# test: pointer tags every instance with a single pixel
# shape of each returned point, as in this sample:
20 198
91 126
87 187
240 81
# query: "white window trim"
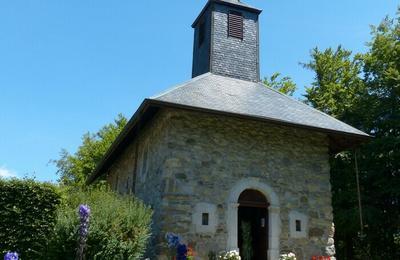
197 218
293 216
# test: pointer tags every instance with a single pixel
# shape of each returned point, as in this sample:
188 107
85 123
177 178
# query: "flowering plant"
191 253
180 250
173 240
230 255
83 231
288 256
11 256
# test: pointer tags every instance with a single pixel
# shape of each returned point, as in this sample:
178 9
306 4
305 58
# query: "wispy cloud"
7 173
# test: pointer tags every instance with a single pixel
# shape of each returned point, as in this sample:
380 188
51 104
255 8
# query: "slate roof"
217 94
237 2
235 96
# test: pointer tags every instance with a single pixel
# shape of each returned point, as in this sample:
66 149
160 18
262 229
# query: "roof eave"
266 119
120 138
355 138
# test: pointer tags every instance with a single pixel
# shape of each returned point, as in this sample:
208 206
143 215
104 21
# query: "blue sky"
68 67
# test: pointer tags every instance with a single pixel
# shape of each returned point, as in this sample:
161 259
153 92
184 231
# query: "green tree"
337 84
284 85
364 90
381 158
335 89
73 169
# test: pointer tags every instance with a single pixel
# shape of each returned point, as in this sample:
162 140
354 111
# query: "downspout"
359 194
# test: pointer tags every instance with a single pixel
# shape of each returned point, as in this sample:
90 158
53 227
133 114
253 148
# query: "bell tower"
226 40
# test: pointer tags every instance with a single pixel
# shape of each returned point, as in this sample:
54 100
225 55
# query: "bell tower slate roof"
226 40
226 82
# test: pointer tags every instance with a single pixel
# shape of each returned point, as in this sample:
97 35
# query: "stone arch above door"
274 221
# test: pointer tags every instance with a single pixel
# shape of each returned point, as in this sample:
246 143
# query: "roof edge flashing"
239 6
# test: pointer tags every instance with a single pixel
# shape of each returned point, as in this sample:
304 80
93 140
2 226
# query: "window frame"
235 25
205 219
298 225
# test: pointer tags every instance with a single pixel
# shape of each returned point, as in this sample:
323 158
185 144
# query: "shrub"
230 255
288 256
119 226
27 216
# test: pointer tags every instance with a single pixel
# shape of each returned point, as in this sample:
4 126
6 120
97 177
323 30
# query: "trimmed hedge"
27 216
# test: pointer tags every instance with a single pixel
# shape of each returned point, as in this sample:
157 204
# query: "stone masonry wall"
195 159
208 154
138 170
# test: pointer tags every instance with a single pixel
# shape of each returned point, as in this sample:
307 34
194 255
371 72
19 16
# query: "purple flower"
181 252
84 214
83 231
173 240
11 256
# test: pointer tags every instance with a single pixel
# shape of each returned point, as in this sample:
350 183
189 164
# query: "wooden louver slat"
235 25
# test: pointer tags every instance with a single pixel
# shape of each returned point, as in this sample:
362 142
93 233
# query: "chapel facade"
222 157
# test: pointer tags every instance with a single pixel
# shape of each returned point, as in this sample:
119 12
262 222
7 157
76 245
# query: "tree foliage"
75 168
337 84
284 85
364 90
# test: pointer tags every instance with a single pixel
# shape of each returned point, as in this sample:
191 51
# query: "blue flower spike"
11 256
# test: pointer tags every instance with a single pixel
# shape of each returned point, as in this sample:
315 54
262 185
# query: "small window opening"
116 183
235 25
205 219
202 32
298 225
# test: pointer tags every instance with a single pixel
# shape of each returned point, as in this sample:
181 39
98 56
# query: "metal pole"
359 195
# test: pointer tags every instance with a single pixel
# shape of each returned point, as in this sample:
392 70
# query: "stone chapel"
222 150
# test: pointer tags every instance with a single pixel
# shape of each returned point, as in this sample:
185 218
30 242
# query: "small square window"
298 225
205 219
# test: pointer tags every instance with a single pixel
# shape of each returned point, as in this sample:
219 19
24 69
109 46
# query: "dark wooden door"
253 212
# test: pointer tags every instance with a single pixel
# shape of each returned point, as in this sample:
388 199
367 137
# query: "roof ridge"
236 2
310 107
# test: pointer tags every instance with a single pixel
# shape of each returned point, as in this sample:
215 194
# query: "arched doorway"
274 220
253 225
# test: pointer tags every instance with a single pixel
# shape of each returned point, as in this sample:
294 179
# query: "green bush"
119 226
27 216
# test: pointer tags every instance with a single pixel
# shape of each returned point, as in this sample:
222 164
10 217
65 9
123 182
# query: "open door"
253 225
